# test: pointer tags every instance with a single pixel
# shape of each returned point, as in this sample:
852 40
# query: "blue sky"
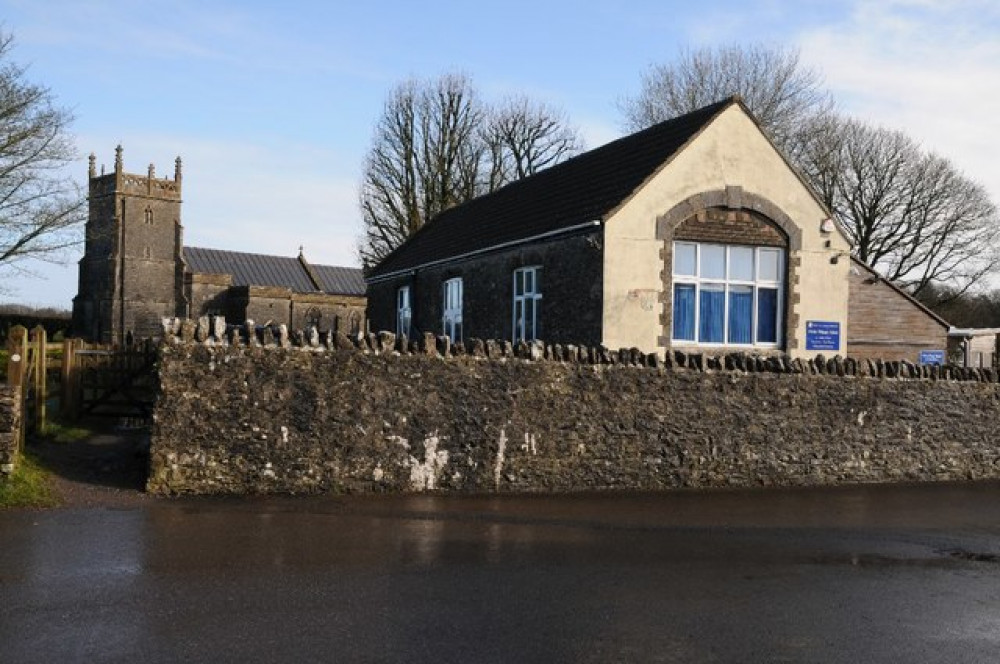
271 105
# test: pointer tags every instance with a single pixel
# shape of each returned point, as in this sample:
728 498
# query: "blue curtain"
713 310
684 311
767 315
740 316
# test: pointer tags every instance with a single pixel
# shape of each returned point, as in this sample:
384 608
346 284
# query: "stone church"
135 270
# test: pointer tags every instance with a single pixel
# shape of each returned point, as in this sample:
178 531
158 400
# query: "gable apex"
570 195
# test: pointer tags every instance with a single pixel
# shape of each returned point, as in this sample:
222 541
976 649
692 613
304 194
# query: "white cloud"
927 67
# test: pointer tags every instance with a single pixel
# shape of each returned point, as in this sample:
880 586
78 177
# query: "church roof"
340 280
275 271
584 189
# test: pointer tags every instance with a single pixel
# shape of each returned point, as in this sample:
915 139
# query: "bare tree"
524 137
910 214
437 145
40 207
784 95
422 161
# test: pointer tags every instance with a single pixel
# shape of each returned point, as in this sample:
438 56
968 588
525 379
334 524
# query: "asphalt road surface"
857 574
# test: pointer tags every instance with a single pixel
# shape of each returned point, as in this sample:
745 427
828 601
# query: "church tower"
131 273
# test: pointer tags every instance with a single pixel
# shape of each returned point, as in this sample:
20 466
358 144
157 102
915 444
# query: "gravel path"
107 469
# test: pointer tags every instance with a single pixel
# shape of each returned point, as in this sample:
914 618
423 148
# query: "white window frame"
451 309
527 301
404 311
757 283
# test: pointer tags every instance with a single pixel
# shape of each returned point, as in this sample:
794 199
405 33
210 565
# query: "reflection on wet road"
858 574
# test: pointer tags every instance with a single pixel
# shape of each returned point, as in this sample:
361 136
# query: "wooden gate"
111 381
83 379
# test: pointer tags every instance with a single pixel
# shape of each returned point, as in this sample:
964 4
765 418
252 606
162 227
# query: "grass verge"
27 486
64 433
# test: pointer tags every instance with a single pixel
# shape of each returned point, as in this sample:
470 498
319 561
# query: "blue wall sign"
932 357
822 335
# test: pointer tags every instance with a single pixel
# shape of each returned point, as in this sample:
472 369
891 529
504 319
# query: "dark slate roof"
276 271
579 190
340 280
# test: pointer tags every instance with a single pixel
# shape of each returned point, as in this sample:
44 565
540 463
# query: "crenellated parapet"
118 181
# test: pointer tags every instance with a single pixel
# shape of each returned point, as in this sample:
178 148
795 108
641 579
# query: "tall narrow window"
149 215
727 295
451 318
403 314
527 304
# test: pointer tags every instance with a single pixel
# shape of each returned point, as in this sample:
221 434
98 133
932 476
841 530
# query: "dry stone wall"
271 411
10 428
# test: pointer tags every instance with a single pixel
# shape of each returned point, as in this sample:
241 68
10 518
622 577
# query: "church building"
136 271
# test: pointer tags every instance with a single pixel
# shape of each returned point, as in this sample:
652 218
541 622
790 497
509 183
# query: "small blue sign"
932 357
822 335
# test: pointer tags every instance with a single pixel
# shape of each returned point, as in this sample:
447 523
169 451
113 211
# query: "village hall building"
694 234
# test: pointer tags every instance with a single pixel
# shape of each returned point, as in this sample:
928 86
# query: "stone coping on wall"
215 331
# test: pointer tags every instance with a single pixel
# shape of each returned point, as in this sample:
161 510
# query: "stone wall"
10 427
340 313
370 415
570 279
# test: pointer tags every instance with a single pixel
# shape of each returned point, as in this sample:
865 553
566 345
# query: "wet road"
876 574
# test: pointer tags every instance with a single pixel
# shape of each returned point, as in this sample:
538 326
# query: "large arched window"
727 295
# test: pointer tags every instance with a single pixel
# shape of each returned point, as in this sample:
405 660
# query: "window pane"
767 315
536 310
528 281
712 304
684 311
713 261
741 263
740 314
769 264
684 259
537 273
518 283
529 320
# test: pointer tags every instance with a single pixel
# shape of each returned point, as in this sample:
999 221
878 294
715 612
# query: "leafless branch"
40 209
437 145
